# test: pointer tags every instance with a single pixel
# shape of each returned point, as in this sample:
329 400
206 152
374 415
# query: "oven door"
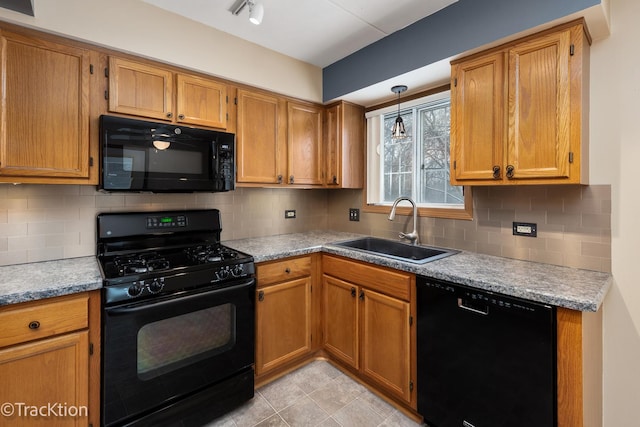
156 352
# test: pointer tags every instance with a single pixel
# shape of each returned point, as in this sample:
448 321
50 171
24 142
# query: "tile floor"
317 394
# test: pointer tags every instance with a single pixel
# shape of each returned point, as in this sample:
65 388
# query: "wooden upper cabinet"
260 138
477 117
539 136
304 125
517 111
344 146
157 93
44 111
140 90
201 101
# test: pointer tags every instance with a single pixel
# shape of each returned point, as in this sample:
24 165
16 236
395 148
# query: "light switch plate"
528 229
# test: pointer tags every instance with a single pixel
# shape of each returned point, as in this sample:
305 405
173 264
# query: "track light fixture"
398 130
256 10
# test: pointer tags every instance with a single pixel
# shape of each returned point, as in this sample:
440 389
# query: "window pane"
434 140
398 162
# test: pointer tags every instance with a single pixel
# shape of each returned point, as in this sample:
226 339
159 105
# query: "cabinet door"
52 371
304 144
344 146
539 107
333 161
44 102
140 89
386 343
477 119
283 323
201 101
260 142
340 328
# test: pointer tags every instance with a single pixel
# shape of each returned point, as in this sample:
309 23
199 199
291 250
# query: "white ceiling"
321 32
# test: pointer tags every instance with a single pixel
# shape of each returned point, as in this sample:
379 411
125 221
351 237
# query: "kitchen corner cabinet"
519 112
344 135
44 111
46 358
285 311
279 141
368 323
158 93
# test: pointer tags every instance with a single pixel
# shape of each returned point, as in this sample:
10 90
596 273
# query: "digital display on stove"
166 221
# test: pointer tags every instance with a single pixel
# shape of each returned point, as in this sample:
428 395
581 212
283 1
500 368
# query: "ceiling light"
256 10
398 130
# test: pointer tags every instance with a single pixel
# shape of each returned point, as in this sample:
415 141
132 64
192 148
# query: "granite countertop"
572 288
39 280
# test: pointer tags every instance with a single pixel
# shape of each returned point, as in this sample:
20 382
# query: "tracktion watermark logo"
50 410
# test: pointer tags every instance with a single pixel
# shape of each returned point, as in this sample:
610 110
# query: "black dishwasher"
484 359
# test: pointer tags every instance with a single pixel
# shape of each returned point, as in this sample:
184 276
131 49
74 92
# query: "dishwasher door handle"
479 310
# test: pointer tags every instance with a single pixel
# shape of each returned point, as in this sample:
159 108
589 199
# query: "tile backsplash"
574 224
45 222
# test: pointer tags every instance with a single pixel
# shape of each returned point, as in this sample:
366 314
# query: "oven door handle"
134 308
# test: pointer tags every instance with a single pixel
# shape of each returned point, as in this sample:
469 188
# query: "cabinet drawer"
40 319
291 268
389 282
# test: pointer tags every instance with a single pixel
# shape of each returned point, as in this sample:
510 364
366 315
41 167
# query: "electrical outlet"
528 229
354 214
290 213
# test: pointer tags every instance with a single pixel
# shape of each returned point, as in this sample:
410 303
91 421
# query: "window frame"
464 213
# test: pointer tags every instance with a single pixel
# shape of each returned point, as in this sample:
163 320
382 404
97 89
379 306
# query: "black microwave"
164 158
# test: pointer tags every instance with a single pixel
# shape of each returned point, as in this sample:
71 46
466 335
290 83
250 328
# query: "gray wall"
462 26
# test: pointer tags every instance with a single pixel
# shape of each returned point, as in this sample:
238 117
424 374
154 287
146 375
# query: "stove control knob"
223 274
135 290
155 286
237 271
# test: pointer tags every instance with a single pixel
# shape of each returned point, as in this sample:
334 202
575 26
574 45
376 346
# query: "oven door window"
170 344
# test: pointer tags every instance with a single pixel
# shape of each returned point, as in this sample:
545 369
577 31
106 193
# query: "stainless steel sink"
397 250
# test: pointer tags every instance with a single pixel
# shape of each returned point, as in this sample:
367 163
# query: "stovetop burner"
140 263
203 254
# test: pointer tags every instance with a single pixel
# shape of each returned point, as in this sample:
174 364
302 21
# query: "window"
416 166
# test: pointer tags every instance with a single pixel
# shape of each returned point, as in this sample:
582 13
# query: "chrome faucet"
413 236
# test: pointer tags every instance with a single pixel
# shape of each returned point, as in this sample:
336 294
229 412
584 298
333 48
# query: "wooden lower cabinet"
283 323
340 323
579 364
386 342
49 373
286 313
368 324
54 372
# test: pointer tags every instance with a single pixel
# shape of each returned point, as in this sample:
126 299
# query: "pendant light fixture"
398 130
